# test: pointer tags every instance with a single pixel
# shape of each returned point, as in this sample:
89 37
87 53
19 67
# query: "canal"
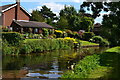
44 65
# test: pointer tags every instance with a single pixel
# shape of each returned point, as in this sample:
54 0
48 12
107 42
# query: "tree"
37 16
68 11
63 23
110 24
77 23
73 20
48 14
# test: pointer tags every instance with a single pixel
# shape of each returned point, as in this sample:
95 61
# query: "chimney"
17 12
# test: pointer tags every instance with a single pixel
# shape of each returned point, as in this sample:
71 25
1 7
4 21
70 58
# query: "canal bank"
101 66
44 65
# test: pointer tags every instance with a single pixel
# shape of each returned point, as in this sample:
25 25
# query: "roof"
7 7
32 24
97 25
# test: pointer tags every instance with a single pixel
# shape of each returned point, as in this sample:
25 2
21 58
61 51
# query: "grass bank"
102 66
86 43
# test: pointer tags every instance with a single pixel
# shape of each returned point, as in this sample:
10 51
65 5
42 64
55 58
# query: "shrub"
64 34
58 33
87 35
76 35
25 48
70 33
51 31
100 40
45 32
12 38
8 49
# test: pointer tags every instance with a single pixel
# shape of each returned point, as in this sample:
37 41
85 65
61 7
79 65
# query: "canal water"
44 65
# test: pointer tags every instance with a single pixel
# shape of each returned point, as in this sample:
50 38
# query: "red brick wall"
23 15
9 15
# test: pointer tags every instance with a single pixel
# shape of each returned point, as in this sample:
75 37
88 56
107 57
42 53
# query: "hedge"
41 45
12 38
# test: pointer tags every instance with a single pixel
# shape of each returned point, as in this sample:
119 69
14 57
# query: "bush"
12 38
87 35
76 35
100 40
70 33
8 49
45 32
51 31
64 34
58 33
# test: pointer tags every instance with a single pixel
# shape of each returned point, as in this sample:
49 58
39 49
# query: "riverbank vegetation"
104 66
16 43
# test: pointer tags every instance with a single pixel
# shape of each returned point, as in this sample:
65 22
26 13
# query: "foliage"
102 66
84 67
45 32
37 16
32 36
63 23
12 38
100 40
48 14
69 33
8 49
39 45
5 29
87 35
70 19
110 23
67 11
58 33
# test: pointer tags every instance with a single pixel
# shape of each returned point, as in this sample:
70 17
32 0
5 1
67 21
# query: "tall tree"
68 11
63 23
37 16
48 14
75 21
111 25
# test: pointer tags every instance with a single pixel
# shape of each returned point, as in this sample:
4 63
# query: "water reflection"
44 65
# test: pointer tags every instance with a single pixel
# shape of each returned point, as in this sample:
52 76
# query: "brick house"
13 14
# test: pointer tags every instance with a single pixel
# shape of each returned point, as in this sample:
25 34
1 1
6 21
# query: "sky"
54 5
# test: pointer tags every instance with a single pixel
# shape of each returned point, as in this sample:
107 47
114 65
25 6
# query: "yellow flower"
75 42
68 38
58 31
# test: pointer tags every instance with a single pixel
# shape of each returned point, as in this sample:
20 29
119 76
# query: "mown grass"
102 66
86 43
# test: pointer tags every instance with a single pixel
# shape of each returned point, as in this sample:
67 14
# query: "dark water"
44 65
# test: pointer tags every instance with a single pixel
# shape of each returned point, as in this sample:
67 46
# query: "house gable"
8 7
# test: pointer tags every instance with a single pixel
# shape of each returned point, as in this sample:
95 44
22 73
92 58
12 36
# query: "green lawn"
86 43
114 49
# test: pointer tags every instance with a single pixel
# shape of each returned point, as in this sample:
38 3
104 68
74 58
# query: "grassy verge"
103 66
